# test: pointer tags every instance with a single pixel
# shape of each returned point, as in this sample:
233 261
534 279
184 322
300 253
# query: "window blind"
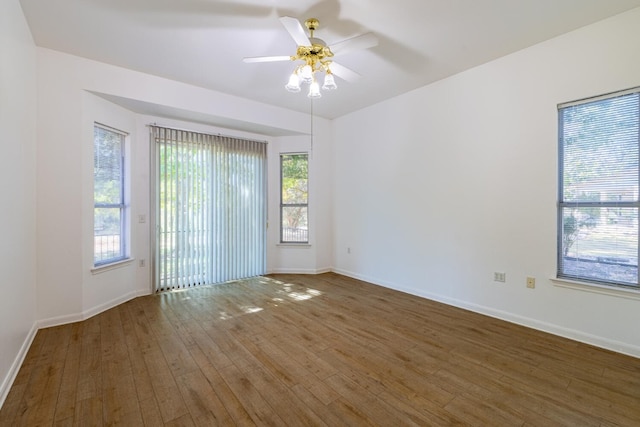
598 191
210 208
109 217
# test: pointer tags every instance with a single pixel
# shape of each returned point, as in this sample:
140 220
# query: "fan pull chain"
311 148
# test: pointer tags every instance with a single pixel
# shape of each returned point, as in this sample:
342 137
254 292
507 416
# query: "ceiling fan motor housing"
314 55
312 24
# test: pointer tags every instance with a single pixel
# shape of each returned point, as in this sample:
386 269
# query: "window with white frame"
294 198
598 189
110 211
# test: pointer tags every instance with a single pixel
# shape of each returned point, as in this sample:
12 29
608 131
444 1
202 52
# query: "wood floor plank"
90 369
625 381
10 411
42 393
253 402
65 407
284 403
356 403
165 389
481 413
201 399
119 397
279 364
89 412
150 412
231 402
296 350
136 344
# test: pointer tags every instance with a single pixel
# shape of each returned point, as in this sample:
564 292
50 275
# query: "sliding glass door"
210 201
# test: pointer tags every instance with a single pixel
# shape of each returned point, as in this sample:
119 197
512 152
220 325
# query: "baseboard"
78 317
113 303
17 363
299 271
598 341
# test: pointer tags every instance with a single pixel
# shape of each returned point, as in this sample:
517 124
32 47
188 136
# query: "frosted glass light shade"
306 74
329 82
294 83
314 90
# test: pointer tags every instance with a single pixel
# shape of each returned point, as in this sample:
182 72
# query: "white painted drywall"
437 189
17 191
104 288
316 256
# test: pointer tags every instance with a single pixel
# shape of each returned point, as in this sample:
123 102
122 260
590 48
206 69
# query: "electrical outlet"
531 282
499 277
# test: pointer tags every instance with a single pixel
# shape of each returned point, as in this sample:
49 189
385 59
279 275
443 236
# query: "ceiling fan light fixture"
294 83
306 74
314 90
315 56
329 82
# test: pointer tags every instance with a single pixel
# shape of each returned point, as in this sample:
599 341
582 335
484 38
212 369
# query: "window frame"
122 205
587 204
284 205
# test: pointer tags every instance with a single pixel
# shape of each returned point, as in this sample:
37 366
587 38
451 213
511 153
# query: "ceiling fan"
316 56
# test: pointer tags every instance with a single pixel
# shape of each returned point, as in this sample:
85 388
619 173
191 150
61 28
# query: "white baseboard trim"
114 302
71 318
299 271
8 380
598 341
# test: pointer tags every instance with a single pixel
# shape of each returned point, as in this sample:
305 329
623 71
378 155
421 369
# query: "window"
110 214
294 198
598 189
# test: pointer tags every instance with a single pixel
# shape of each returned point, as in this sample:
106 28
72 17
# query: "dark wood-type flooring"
293 350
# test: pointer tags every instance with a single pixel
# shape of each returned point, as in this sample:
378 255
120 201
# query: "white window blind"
210 208
598 191
110 211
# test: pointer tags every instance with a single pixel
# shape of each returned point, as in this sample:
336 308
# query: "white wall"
102 289
437 189
17 191
67 109
315 257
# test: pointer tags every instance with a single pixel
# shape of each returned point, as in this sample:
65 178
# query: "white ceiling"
202 42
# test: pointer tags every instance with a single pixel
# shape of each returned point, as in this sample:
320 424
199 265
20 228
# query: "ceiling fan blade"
267 58
344 72
293 26
364 41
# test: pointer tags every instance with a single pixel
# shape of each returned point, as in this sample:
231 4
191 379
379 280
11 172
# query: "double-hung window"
598 189
294 198
110 212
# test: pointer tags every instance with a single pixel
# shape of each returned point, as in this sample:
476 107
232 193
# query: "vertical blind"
210 204
598 197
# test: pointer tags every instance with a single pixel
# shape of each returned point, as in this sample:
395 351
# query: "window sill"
598 289
295 245
112 266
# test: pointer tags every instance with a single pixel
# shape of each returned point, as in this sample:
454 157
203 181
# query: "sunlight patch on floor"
251 309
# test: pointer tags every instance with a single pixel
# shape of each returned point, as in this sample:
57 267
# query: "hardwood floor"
313 351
